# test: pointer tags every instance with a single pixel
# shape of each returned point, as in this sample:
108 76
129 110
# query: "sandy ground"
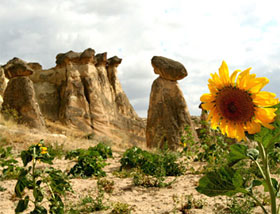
141 199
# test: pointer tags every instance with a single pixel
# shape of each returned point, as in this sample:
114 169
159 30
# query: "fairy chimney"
168 113
19 95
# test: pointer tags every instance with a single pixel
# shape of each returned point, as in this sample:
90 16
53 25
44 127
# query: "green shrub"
162 164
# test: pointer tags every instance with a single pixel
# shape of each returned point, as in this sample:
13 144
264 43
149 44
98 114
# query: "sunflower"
236 104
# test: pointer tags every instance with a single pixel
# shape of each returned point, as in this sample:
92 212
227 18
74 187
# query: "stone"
168 115
17 67
168 68
19 96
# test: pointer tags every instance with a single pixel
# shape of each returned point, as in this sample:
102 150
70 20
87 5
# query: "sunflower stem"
267 178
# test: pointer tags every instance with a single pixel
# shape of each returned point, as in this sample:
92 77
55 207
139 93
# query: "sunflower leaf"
237 153
268 137
224 181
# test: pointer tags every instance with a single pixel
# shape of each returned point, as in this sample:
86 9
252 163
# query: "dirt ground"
141 199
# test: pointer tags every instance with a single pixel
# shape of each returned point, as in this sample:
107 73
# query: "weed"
187 202
121 208
10 168
106 185
237 205
141 179
89 204
158 165
90 161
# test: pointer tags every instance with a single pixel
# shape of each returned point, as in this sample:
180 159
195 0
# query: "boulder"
17 67
168 68
19 98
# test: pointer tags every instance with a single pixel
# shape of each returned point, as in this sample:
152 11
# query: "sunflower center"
235 104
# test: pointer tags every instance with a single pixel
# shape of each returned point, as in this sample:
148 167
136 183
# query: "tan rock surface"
168 69
20 96
168 115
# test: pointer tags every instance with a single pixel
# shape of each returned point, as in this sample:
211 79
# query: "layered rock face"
83 91
168 114
20 95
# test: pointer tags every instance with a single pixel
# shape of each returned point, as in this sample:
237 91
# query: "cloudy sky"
199 34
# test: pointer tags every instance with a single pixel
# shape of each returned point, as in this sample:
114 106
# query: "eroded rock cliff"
83 92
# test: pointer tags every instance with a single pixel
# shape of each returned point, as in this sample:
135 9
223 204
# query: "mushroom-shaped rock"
101 59
168 69
17 67
19 96
88 56
65 58
112 65
35 66
114 61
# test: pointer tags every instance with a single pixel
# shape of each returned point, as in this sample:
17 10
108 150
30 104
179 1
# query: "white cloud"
199 34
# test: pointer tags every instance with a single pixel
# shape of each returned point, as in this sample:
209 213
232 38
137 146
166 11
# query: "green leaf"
268 137
39 210
22 205
237 153
224 181
26 157
38 195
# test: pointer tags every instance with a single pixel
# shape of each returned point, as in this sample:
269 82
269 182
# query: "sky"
197 33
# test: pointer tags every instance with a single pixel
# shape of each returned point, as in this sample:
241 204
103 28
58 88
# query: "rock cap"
17 67
168 69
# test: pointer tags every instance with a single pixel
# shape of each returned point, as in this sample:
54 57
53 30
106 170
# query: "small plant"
121 208
158 165
142 179
237 205
88 204
10 170
31 177
90 161
187 202
106 185
100 149
88 166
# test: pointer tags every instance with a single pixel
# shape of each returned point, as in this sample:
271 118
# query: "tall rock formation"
19 95
83 92
168 114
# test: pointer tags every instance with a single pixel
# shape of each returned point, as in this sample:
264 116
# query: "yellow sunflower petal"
215 81
207 106
231 130
253 127
233 77
240 135
242 79
224 73
265 99
257 84
265 115
215 119
207 98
